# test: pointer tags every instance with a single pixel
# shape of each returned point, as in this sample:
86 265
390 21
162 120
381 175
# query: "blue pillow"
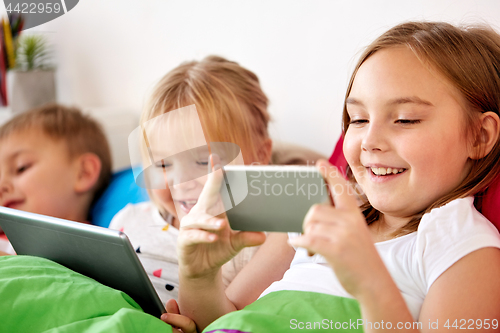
121 191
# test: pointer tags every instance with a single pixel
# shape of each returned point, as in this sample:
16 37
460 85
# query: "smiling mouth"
386 171
12 204
187 205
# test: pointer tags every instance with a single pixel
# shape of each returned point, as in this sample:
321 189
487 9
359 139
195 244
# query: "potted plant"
33 80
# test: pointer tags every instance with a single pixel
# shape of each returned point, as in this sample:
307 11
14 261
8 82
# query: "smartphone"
271 198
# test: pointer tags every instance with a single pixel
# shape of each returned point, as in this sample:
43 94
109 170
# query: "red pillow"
337 159
489 204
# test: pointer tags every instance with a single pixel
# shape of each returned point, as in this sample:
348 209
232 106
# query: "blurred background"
109 54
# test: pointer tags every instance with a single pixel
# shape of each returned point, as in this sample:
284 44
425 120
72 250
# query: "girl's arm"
203 298
268 265
205 243
466 295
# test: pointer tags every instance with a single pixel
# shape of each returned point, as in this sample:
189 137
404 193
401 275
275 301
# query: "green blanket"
292 311
38 295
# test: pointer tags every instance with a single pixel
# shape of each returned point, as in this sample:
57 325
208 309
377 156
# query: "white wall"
111 52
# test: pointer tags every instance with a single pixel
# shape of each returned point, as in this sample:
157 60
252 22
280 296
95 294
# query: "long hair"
228 97
469 58
231 104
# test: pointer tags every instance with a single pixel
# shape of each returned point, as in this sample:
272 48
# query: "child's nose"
185 185
5 185
374 139
184 175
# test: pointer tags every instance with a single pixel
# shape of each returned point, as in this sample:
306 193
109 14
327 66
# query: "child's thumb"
244 239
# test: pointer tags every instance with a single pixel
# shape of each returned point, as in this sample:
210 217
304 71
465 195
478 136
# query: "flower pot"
32 89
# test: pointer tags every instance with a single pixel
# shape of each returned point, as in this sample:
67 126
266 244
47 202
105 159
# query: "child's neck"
384 228
176 223
171 219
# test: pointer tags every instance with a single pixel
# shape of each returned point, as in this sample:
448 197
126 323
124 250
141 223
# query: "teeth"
384 171
191 202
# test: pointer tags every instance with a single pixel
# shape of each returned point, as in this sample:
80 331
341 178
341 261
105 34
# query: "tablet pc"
271 198
102 254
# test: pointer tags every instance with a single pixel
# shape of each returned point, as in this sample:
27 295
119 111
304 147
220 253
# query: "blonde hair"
231 104
469 58
81 134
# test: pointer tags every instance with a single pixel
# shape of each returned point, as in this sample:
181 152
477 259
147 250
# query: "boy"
53 161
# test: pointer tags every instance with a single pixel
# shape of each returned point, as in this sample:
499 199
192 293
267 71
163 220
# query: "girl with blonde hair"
191 109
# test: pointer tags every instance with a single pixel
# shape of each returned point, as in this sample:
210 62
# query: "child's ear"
488 135
265 151
88 170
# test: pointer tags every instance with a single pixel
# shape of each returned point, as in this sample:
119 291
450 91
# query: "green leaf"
33 52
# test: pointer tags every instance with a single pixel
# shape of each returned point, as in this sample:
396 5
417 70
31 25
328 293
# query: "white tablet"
102 254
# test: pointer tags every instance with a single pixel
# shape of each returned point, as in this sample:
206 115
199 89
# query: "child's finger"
327 214
321 212
202 221
195 236
172 307
313 244
341 191
210 193
179 321
214 161
320 228
248 238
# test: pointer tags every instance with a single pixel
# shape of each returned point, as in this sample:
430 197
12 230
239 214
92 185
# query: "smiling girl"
421 125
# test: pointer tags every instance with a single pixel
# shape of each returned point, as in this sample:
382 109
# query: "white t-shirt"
155 241
415 261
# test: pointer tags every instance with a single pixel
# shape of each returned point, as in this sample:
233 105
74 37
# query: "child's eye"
408 121
22 168
162 164
358 121
202 163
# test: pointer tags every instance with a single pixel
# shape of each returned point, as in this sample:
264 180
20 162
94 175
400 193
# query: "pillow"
121 191
488 203
337 159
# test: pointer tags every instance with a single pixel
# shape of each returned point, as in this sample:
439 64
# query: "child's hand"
341 235
178 322
205 240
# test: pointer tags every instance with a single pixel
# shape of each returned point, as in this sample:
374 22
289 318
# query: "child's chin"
180 215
